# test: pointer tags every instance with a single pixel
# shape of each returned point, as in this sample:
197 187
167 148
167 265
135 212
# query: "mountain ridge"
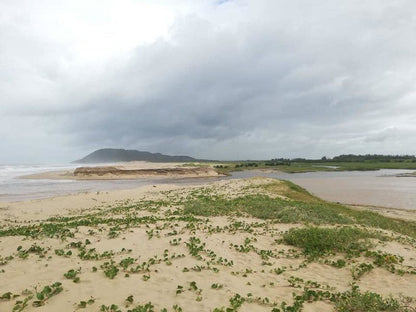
110 155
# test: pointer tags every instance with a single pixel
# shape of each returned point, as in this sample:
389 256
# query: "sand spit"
130 170
123 250
406 175
121 173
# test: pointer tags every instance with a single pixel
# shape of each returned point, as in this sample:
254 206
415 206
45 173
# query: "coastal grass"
310 166
346 166
354 300
317 241
299 207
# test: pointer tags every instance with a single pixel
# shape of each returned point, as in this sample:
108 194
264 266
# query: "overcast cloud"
242 79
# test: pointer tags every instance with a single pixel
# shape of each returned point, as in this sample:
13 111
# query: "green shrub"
317 241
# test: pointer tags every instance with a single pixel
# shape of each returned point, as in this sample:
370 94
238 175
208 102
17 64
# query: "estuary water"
374 188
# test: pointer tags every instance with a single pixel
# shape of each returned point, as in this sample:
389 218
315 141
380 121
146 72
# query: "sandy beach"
207 156
123 250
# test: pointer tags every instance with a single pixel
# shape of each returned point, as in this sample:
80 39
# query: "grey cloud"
278 79
383 135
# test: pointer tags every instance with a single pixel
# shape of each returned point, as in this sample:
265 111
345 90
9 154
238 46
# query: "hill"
109 155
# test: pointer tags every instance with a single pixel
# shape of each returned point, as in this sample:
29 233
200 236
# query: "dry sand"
154 243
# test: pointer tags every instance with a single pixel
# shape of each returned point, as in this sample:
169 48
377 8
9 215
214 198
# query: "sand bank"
130 170
135 247
396 213
406 175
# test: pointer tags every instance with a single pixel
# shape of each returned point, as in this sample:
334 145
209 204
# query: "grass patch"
294 166
291 191
355 300
299 207
265 207
320 241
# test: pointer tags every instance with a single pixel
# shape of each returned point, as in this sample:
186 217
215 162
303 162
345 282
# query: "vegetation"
303 166
320 241
338 163
46 293
299 206
72 275
373 158
354 300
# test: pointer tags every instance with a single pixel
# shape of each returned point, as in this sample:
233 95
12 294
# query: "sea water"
14 188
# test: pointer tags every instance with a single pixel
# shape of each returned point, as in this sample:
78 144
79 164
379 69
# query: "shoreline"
396 213
157 172
111 196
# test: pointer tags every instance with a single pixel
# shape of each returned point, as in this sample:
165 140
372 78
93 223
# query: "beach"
211 247
207 156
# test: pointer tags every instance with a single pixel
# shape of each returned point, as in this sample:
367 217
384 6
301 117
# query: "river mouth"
382 188
371 188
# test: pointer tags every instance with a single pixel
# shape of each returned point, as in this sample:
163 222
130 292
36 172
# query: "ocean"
13 188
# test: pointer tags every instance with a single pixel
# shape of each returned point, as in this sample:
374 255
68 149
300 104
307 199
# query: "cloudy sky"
237 79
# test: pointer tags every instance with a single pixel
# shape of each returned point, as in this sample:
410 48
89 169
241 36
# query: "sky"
237 79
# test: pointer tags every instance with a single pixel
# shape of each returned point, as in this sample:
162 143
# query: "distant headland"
111 155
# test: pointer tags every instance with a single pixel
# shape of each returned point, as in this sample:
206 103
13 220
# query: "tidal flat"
256 244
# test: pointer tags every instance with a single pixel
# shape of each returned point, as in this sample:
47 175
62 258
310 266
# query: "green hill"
109 155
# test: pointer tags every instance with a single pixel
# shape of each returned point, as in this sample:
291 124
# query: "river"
375 188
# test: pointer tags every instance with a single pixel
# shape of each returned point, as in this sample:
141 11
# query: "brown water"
374 188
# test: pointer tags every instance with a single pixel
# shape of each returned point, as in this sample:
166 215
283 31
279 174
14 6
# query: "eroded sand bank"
130 170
